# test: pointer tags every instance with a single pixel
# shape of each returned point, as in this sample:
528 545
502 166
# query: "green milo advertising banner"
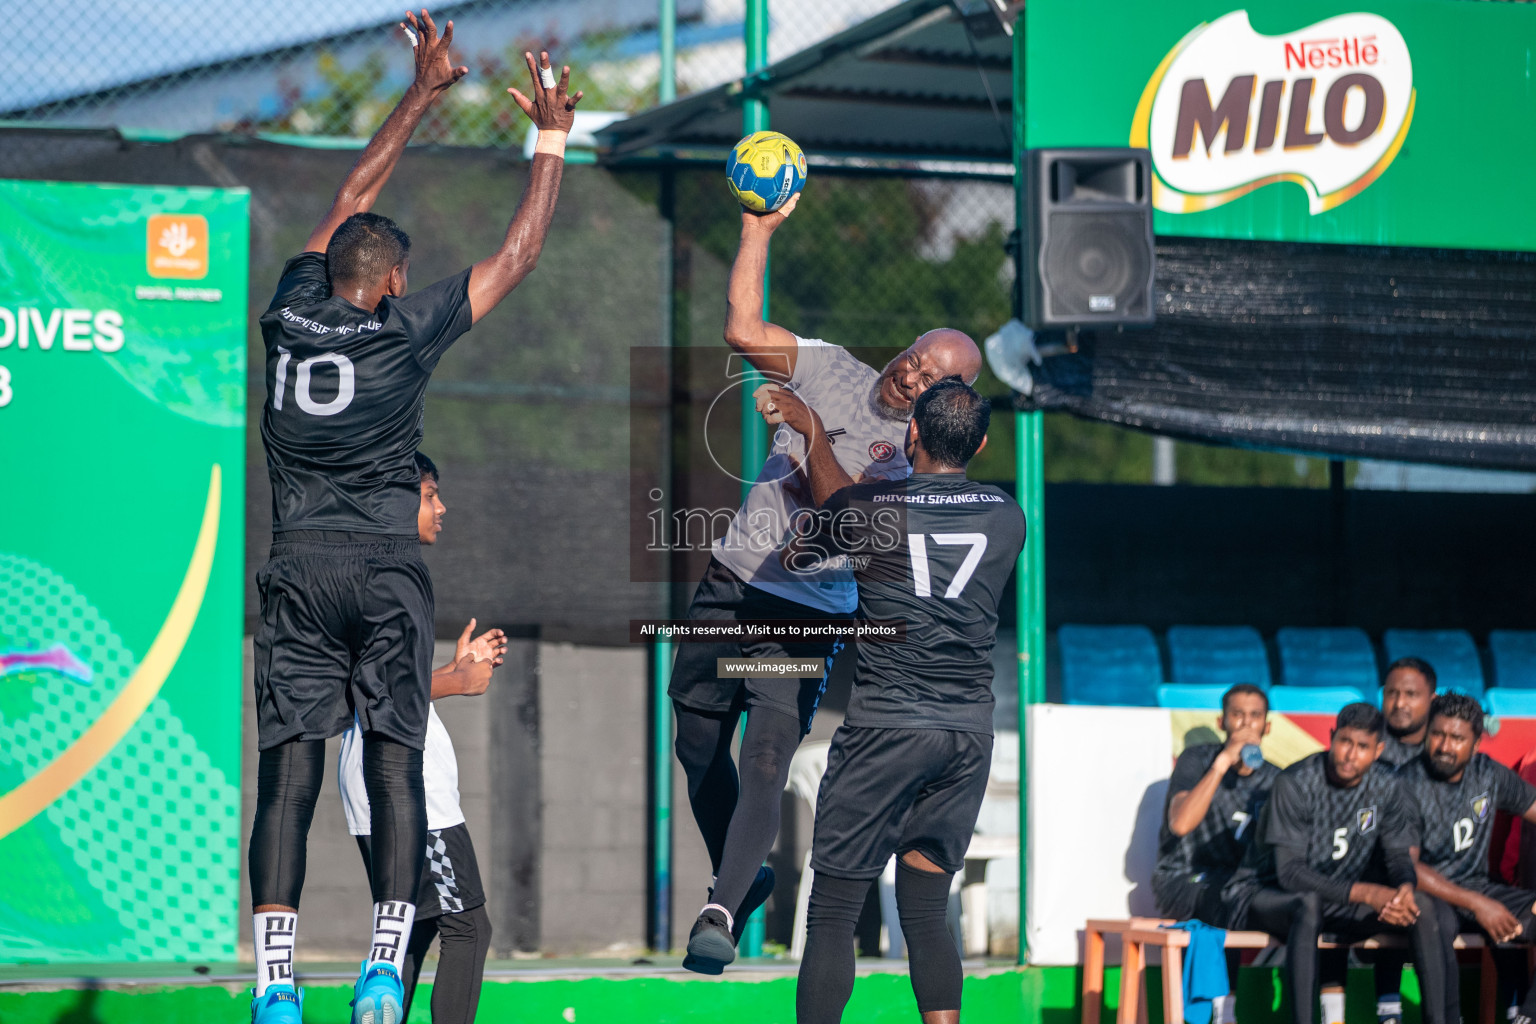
1406 122
122 425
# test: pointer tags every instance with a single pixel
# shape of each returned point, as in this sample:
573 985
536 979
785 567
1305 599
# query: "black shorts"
346 623
1517 901
450 875
722 595
887 791
1184 896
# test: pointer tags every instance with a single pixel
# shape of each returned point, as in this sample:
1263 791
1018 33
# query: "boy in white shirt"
450 902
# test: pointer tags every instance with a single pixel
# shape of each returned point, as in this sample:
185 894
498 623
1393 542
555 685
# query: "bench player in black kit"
908 767
1213 807
1457 790
346 602
1214 800
1330 818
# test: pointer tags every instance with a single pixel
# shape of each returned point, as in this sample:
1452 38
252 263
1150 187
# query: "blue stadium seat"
1217 656
1196 696
1450 651
1511 702
1109 665
1326 657
1312 700
1514 658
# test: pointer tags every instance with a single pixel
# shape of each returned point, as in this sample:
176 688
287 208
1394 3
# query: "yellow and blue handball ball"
765 170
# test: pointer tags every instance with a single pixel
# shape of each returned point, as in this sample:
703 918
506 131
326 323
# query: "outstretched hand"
488 646
434 71
550 108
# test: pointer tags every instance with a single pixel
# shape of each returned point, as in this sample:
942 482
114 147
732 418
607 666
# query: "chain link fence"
334 70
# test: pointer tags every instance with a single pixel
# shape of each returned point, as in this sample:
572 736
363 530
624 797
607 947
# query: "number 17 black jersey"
935 552
345 392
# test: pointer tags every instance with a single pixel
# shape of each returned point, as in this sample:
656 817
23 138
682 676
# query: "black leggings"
1300 917
738 816
288 780
466 939
826 969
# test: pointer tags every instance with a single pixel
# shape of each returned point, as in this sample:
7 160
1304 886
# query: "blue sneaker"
378 998
281 1005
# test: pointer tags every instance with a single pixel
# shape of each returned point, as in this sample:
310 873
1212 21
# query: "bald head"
943 352
953 352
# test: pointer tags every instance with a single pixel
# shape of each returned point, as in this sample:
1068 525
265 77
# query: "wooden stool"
1131 966
1173 942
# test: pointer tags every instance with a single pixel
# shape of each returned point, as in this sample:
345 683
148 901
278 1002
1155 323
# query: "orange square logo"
178 245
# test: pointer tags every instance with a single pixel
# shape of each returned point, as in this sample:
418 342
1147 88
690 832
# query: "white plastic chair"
805 771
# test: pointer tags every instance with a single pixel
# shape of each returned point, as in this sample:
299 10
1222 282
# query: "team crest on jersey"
1367 819
882 451
1480 806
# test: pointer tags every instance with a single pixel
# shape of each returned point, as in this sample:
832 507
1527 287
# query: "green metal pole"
661 651
1030 479
1032 664
754 118
661 788
754 432
666 27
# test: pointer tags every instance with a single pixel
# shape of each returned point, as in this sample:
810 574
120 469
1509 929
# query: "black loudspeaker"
1089 259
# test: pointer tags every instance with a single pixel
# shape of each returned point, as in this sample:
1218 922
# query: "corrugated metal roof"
910 84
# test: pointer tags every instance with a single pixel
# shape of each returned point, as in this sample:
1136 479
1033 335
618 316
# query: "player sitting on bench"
1456 791
1214 800
1328 817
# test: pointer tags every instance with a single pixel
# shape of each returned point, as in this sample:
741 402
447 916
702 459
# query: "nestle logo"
1325 107
1331 53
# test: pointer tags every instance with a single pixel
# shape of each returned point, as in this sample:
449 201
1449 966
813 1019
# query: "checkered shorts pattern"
440 871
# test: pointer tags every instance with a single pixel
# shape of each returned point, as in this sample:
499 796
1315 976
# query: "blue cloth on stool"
1205 969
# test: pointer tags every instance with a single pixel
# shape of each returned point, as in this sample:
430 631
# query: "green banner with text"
1401 123
122 447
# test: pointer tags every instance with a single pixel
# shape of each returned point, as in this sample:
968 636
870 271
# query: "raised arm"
434 75
768 347
553 112
1187 807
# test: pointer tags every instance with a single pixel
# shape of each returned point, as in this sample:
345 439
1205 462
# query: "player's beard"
1441 770
884 408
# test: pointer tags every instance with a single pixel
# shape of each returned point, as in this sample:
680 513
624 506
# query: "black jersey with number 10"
345 392
933 551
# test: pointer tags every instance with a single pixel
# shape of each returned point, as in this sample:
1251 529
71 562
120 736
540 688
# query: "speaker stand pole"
1030 489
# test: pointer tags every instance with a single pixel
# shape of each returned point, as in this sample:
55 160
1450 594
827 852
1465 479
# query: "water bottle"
1252 756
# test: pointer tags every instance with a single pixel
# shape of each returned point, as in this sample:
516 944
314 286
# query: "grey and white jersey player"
865 412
